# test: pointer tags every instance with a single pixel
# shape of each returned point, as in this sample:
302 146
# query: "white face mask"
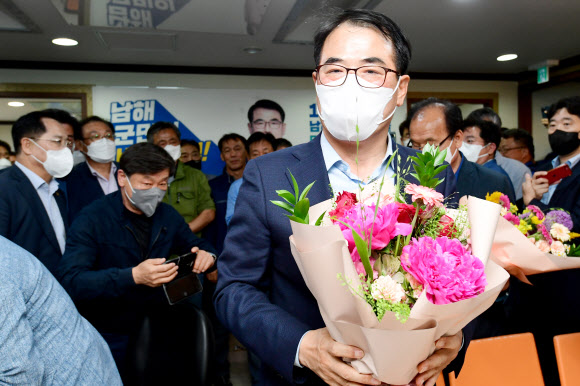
346 106
58 163
449 156
174 151
102 151
471 151
5 163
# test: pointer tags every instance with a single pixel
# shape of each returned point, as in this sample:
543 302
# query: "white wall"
542 98
507 91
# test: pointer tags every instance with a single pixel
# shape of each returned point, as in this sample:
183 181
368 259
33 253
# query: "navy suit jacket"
476 180
261 296
23 218
82 188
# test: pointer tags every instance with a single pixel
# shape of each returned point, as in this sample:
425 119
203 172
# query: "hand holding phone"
558 173
186 283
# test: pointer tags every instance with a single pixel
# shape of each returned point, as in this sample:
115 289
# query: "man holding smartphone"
114 267
559 289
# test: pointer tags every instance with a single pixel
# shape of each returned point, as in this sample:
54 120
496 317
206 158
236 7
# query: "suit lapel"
37 208
311 167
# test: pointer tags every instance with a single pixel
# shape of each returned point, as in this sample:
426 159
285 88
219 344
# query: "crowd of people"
73 217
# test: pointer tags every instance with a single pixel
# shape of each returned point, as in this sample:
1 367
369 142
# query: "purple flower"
558 216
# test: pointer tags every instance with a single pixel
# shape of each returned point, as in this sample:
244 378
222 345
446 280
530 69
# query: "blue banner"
132 119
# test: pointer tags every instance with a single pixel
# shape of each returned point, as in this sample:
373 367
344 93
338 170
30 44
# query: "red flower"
344 202
406 213
446 223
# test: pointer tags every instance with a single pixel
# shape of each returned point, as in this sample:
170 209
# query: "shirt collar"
331 157
573 161
36 180
96 174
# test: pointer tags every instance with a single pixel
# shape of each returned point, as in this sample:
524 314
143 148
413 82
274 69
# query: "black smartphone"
186 283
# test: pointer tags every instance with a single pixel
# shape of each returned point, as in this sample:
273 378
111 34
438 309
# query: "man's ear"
250 128
492 147
25 146
121 178
283 127
402 90
222 157
458 138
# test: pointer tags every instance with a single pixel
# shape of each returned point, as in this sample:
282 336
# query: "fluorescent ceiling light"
506 57
64 42
252 50
15 104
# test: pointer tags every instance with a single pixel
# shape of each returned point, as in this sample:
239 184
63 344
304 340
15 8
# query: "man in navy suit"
33 211
362 57
97 176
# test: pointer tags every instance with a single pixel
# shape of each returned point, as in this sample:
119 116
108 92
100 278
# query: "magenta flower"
384 229
512 218
504 201
447 271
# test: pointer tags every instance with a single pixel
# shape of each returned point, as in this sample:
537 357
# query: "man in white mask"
439 122
361 58
97 176
188 192
33 210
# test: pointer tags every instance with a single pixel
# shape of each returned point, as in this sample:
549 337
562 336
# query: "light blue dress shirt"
46 193
232 198
108 185
556 162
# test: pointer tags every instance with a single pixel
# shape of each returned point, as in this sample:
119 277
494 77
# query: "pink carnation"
385 226
537 211
545 232
344 202
429 196
504 201
543 246
447 271
512 218
387 288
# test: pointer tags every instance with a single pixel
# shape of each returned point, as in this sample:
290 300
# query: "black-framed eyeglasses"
506 149
334 75
261 124
96 137
420 148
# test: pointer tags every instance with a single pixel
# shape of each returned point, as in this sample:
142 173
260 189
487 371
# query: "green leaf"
439 169
319 220
297 219
286 195
296 191
283 205
305 192
362 249
301 208
440 157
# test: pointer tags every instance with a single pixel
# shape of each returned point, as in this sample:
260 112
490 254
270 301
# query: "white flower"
560 232
387 288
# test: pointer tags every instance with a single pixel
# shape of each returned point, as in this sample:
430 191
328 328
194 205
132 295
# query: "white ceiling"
448 36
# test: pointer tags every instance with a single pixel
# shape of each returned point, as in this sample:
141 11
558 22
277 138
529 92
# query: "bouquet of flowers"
532 241
417 271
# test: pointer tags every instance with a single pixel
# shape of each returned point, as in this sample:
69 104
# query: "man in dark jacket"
114 262
439 122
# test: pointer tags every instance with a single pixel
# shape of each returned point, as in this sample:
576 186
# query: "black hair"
146 158
366 18
190 142
229 137
64 117
489 131
404 125
265 104
282 142
485 114
572 104
29 125
522 137
452 113
6 146
158 126
261 136
94 118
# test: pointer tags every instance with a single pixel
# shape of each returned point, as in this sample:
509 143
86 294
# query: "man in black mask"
559 289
